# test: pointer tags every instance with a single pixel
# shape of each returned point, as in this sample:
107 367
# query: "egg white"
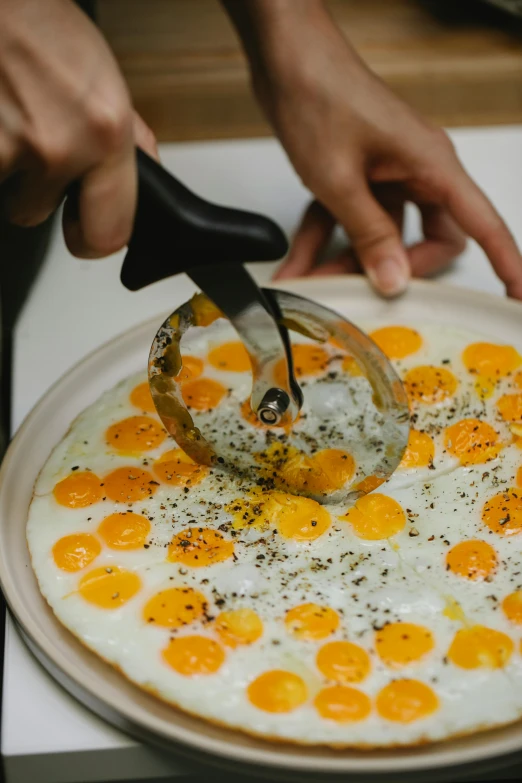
369 583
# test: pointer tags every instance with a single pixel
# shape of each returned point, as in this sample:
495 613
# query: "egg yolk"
503 513
343 662
125 530
203 394
74 552
351 366
109 587
490 361
78 490
430 385
472 441
479 646
342 704
376 516
295 517
238 626
204 310
405 701
399 644
369 484
420 451
277 691
191 368
301 519
308 360
472 559
510 407
199 546
231 357
177 468
311 621
135 434
175 607
324 472
194 655
512 607
129 485
141 398
397 341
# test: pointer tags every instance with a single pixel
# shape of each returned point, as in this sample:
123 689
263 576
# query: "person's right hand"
66 116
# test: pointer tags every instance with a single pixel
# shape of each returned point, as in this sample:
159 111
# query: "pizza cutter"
177 231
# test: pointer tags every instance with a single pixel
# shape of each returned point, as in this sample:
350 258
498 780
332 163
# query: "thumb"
375 240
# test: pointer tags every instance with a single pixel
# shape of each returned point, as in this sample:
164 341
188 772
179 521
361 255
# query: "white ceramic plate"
100 687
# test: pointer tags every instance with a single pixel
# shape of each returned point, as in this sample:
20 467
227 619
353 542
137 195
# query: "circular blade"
352 430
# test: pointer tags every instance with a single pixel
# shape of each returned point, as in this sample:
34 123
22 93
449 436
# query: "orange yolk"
74 552
308 360
191 368
510 407
491 361
135 434
419 451
203 394
342 704
399 644
351 366
231 357
518 380
472 441
311 621
376 516
239 626
277 691
109 587
479 646
295 517
324 472
343 662
301 519
430 385
369 484
193 655
175 607
405 701
129 485
141 398
78 490
397 341
503 513
472 559
204 310
177 468
124 531
199 546
512 607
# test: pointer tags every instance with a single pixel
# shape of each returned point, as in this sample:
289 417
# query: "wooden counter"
189 79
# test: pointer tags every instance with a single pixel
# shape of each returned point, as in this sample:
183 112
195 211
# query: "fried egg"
393 621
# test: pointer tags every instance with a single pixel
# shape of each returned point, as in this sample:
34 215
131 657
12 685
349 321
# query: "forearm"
276 33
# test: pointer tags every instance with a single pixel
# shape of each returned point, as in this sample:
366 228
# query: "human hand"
66 116
363 153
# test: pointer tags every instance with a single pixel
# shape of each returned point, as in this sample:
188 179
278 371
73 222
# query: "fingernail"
390 276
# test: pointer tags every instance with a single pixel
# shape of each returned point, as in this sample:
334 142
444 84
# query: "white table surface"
74 307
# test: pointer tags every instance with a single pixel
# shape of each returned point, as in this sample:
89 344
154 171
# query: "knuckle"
111 121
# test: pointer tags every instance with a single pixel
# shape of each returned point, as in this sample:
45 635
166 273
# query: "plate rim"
269 755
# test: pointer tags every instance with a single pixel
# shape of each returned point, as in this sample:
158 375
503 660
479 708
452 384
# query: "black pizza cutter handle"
176 231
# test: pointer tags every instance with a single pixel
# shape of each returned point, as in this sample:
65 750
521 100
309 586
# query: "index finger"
474 212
